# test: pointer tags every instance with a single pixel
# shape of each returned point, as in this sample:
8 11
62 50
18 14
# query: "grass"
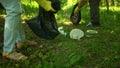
99 51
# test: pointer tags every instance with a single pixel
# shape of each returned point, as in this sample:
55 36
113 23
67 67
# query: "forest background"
101 50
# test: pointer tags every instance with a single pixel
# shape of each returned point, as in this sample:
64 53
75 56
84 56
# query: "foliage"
99 51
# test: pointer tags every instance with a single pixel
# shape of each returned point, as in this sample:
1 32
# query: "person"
14 35
13 31
94 11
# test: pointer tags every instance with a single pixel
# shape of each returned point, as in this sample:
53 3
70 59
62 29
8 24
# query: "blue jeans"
13 31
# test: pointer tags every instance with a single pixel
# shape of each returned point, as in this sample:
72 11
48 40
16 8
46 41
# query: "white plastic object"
60 29
92 31
76 34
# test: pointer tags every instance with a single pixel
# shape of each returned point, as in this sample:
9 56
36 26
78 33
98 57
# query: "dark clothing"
94 12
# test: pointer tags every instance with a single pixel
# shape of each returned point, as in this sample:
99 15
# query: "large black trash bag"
49 22
44 25
56 4
1 7
36 26
75 19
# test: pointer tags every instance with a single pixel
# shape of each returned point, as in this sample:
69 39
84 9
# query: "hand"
78 1
46 5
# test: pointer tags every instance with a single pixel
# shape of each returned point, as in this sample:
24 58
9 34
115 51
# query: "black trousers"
94 12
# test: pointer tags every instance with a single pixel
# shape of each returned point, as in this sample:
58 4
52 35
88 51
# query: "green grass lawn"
102 50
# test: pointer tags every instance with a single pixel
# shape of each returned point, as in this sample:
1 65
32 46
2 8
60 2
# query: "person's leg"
94 12
20 36
11 29
12 23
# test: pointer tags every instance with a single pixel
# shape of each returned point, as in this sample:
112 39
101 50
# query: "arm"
45 4
80 4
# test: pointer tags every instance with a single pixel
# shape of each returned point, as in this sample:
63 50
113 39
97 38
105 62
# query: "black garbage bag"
1 7
36 27
44 25
56 4
75 19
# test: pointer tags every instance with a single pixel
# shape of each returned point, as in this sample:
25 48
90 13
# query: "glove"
46 5
80 3
76 10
